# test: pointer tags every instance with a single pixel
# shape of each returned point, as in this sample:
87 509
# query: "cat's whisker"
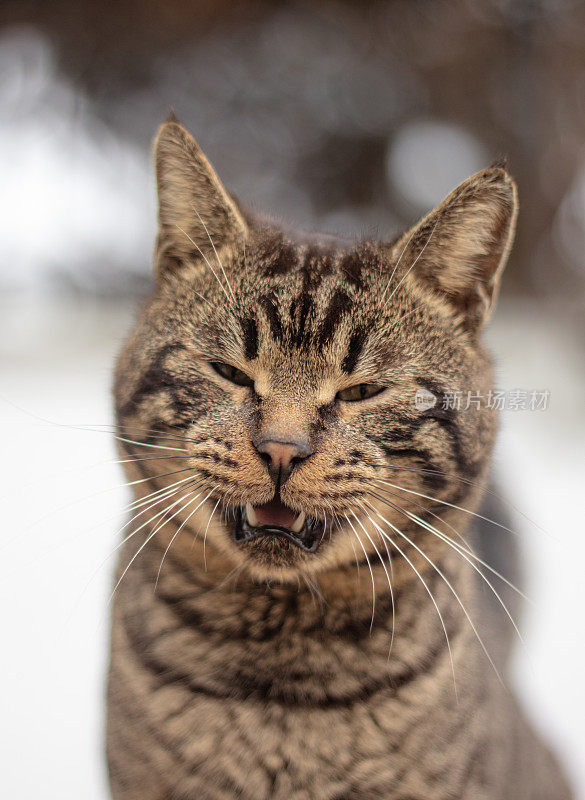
233 573
168 496
414 263
470 482
109 556
95 427
206 529
340 526
180 528
309 587
142 459
314 584
161 495
156 477
206 261
384 534
76 470
467 555
403 251
147 540
205 300
149 436
369 567
406 315
385 491
123 542
85 498
149 444
385 543
129 429
448 583
216 253
360 523
464 548
208 522
143 500
446 503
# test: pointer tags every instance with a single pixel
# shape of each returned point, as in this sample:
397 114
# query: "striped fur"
263 671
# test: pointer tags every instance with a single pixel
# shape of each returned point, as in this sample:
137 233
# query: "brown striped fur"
259 670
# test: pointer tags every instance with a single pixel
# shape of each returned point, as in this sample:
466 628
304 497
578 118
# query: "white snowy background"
75 200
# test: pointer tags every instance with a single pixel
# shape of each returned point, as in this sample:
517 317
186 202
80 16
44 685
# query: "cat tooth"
251 515
297 525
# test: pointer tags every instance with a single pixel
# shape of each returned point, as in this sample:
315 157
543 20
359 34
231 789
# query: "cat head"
292 399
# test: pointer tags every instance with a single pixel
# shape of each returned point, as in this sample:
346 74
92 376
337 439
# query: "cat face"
297 391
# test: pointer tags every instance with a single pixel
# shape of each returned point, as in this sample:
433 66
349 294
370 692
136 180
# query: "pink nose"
282 457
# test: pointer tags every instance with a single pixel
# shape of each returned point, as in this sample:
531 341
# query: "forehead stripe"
300 310
354 350
271 311
352 266
338 307
283 261
250 332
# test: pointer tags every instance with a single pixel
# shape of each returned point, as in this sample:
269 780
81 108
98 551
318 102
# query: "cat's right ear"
459 250
195 213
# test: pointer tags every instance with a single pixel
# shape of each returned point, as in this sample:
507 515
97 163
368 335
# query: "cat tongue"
275 513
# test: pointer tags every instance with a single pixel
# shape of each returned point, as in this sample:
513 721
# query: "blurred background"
353 118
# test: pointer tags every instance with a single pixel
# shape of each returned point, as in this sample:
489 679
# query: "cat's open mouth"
276 519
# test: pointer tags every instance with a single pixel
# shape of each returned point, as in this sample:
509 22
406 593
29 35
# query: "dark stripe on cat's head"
268 303
279 256
300 310
250 332
316 266
339 306
351 266
354 349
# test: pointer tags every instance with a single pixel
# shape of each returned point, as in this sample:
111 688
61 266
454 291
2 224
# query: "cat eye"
361 391
232 374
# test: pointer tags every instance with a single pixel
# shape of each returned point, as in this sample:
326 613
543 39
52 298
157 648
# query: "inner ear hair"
196 215
460 249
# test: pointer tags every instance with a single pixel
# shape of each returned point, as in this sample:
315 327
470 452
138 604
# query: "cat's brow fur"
264 671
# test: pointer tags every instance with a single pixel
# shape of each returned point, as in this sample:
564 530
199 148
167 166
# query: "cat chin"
272 551
272 555
274 561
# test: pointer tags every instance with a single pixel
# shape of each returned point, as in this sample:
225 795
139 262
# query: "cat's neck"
303 643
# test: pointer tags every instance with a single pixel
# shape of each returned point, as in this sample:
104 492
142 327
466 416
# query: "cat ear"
195 212
460 249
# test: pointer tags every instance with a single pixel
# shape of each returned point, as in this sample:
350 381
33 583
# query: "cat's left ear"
460 249
195 212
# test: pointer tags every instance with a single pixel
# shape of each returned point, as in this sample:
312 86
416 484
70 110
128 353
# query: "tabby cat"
296 613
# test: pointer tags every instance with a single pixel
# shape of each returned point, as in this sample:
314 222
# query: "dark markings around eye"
250 332
156 377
